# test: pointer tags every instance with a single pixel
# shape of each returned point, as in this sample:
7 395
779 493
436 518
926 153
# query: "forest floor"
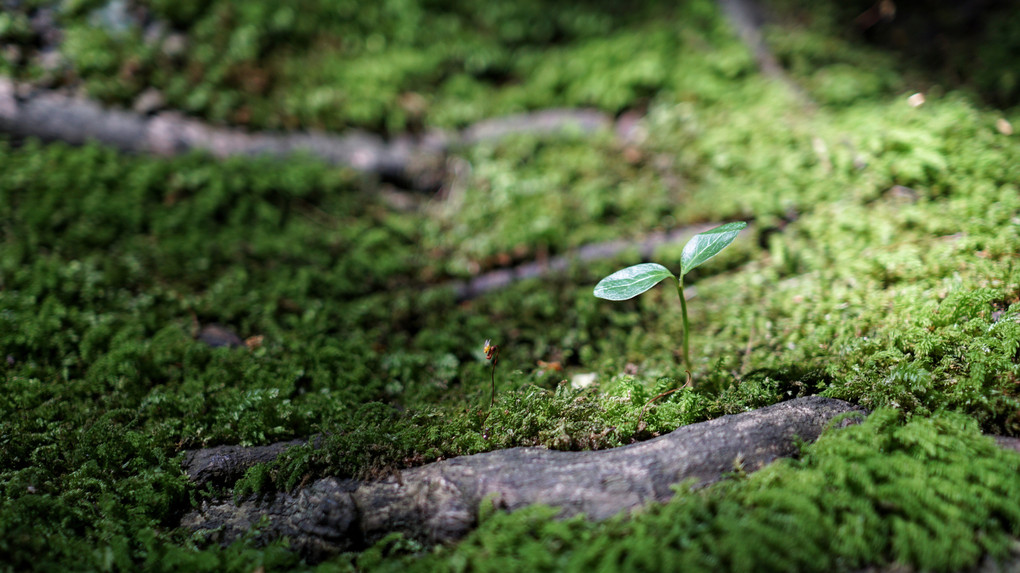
154 305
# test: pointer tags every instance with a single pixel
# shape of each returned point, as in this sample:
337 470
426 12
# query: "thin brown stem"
649 403
492 353
683 309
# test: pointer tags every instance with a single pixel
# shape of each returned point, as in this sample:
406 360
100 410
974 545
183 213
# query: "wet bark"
439 502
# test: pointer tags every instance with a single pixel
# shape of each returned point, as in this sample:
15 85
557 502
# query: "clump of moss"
878 219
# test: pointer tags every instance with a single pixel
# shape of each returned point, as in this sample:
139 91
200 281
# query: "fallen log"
439 502
28 111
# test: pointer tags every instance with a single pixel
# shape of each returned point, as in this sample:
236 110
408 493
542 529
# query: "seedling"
632 281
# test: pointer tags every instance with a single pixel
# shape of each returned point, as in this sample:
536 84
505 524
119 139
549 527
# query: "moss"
390 67
820 41
108 260
517 203
881 270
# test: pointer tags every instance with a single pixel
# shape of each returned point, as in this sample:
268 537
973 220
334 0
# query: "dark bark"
439 502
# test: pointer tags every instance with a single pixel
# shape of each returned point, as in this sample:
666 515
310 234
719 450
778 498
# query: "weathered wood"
439 502
542 122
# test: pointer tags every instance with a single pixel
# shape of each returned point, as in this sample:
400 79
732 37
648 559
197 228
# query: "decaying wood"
1008 443
53 116
439 502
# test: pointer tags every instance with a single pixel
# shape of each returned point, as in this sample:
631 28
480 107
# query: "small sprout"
632 281
492 353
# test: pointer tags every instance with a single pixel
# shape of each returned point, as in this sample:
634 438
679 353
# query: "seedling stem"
683 311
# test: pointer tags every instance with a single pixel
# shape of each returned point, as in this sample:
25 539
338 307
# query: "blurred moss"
898 46
388 67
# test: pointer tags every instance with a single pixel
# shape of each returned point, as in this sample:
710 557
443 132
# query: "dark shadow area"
793 381
968 44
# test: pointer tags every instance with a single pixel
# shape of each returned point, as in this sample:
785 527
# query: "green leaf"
631 281
704 246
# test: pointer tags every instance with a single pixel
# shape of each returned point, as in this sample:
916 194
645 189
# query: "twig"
664 394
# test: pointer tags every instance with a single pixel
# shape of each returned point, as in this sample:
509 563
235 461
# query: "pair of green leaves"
632 281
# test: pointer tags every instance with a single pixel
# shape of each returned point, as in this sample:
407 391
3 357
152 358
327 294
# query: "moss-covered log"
439 502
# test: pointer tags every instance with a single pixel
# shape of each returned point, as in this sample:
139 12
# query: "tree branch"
439 502
415 162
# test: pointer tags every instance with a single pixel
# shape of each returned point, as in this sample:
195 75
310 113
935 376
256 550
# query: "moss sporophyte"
492 353
632 281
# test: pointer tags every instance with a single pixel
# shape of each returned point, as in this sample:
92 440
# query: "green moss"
880 269
388 67
844 52
869 296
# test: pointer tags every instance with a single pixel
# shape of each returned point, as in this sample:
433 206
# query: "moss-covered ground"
881 268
